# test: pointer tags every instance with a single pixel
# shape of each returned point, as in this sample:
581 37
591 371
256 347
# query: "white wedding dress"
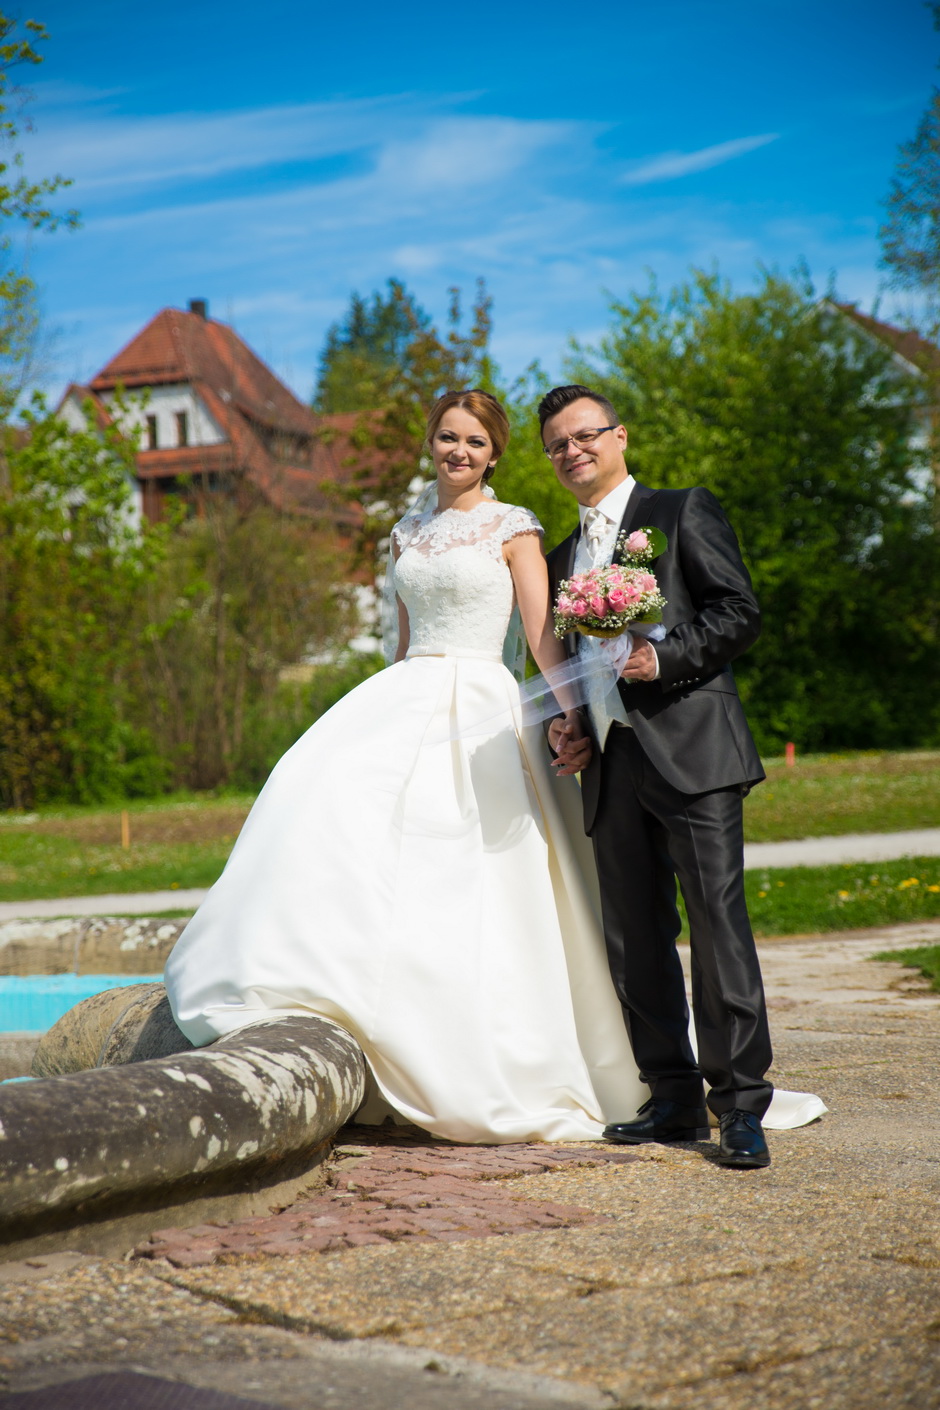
413 871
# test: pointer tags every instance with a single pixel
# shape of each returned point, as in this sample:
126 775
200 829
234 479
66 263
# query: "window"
152 433
182 428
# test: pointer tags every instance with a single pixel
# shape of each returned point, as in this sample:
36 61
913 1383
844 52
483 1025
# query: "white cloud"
112 150
413 187
670 165
402 137
462 152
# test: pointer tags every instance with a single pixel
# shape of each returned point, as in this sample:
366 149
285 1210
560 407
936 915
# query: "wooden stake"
125 829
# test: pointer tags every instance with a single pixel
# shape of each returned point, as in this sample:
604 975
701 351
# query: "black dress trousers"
646 834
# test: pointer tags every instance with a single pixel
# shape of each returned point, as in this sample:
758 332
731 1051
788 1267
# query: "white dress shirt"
599 528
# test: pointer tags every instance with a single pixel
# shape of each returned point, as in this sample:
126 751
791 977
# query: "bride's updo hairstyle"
487 410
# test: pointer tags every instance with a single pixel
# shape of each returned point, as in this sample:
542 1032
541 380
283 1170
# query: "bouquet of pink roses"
606 601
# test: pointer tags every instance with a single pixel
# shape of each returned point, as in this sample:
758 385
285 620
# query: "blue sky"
274 158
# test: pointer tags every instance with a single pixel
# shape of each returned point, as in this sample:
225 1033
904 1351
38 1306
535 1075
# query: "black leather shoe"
742 1140
661 1120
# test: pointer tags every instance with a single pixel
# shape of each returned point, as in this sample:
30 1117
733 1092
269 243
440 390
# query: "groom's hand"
571 746
642 665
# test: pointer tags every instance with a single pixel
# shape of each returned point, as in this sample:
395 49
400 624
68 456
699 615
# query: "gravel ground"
812 1283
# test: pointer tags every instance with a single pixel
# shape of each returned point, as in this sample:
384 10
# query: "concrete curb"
99 944
92 1160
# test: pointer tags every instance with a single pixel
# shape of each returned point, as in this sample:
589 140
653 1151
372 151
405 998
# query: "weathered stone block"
118 1026
252 1113
89 945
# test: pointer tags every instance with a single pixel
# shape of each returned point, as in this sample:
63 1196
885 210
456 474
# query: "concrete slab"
814 1282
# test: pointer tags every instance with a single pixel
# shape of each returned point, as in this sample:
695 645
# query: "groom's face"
589 472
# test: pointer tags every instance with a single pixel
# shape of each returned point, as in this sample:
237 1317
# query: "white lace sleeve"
398 542
403 530
518 521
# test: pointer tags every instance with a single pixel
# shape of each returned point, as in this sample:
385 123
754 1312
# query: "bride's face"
461 450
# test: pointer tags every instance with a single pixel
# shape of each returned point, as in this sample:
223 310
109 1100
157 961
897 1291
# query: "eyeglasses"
556 449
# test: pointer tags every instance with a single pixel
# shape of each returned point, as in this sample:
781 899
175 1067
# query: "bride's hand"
571 744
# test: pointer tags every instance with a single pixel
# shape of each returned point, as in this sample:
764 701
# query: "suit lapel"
570 547
566 551
638 508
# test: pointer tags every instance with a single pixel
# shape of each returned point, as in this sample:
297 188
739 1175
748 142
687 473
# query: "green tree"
525 475
366 355
241 593
805 432
24 200
389 350
73 566
911 234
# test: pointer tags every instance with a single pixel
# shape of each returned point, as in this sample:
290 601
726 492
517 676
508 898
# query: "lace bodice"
453 579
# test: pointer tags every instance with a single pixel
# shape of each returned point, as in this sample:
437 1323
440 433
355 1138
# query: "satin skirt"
413 871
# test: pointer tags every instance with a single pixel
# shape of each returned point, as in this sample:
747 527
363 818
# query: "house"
210 417
912 357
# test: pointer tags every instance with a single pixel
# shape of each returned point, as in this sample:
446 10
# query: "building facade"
209 417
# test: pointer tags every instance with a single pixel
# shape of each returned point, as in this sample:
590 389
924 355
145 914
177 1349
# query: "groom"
663 791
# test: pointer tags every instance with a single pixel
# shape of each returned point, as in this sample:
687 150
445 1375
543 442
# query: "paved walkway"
134 903
811 852
852 847
661 1281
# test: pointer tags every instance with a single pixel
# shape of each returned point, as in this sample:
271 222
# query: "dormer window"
152 433
182 428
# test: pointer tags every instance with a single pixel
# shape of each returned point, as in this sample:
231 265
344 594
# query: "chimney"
200 307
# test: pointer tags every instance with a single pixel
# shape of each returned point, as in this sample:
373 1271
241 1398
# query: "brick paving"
390 1188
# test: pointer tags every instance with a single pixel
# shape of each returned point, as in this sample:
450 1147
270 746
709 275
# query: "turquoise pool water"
33 1003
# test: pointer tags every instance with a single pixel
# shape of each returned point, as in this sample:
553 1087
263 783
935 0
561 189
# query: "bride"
414 871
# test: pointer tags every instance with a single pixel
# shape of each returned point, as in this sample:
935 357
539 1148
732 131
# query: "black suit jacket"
689 722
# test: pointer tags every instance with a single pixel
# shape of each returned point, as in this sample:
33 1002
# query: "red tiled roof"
250 405
185 347
904 341
85 394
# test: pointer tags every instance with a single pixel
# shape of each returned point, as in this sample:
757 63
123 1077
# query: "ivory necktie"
595 528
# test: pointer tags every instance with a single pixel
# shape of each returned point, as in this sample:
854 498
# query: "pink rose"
599 605
647 582
579 608
617 598
565 604
638 541
631 592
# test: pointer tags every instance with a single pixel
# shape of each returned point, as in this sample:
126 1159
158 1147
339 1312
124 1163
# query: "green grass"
829 795
45 870
184 841
175 845
812 900
926 958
